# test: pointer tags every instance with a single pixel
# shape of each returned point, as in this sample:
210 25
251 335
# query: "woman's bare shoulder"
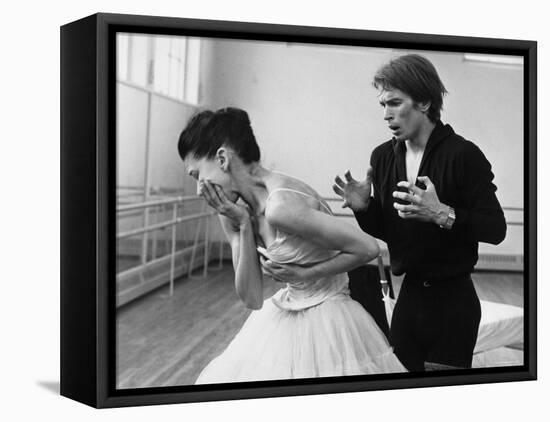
283 182
284 190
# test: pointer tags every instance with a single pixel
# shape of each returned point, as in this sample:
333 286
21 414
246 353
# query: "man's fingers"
338 190
348 176
426 180
405 208
340 182
411 187
405 215
416 190
415 199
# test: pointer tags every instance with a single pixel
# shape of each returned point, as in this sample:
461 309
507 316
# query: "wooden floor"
166 341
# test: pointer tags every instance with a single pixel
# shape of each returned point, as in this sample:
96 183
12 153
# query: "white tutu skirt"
334 338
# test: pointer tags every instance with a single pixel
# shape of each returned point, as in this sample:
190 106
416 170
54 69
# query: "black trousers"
435 321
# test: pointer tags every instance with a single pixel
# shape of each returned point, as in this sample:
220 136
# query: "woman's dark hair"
209 130
415 76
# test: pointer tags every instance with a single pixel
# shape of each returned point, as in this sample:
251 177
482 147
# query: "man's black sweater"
463 180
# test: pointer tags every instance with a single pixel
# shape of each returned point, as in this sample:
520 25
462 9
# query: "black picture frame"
88 208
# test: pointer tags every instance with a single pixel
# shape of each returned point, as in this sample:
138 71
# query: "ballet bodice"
293 249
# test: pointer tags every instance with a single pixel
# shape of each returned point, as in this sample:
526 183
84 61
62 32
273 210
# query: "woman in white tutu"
277 224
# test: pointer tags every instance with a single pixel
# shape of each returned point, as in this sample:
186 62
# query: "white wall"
167 119
131 135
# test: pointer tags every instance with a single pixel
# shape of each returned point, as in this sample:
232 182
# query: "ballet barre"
165 204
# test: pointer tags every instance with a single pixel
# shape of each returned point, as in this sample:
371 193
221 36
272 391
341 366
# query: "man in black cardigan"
433 201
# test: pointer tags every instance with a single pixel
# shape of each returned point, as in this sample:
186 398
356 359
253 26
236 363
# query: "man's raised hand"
355 193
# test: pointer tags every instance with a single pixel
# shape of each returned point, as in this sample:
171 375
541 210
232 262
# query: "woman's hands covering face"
217 199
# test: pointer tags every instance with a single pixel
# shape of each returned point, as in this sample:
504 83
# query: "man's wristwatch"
451 217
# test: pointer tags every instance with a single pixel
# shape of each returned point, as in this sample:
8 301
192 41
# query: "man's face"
403 115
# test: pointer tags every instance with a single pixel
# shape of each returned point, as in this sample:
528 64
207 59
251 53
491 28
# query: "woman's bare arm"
238 228
293 215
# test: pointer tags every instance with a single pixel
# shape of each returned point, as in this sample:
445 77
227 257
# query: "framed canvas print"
253 210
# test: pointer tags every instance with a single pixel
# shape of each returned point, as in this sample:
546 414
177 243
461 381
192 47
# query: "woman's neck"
250 182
